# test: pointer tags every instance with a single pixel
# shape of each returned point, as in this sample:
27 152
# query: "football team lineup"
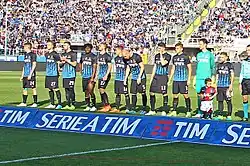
211 82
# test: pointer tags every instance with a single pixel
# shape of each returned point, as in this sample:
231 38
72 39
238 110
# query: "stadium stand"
225 23
128 22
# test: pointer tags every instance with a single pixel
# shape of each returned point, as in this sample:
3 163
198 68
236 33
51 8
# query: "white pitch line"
84 152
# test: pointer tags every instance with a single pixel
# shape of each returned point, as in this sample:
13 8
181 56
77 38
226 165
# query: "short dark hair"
248 45
67 42
28 44
50 41
204 40
224 53
208 80
128 48
179 44
161 44
105 44
88 45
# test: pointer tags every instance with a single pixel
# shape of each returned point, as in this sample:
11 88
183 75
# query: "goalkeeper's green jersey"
205 65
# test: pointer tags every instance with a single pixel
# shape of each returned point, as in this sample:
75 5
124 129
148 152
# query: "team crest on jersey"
87 59
27 59
119 61
101 61
133 63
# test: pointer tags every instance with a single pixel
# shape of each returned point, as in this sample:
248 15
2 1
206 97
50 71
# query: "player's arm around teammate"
224 80
136 67
245 82
120 77
159 79
181 71
29 75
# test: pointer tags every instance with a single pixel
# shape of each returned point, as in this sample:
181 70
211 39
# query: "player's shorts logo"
32 83
71 83
53 84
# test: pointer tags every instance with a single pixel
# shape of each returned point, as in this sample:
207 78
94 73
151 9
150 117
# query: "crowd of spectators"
226 23
129 22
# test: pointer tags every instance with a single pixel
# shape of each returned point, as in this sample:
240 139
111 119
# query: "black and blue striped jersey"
224 71
69 71
29 58
51 63
88 61
134 66
162 69
103 61
120 67
181 70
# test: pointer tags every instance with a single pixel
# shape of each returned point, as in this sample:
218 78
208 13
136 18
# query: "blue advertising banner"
199 131
8 58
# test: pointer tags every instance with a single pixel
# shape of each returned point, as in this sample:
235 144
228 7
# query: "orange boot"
106 108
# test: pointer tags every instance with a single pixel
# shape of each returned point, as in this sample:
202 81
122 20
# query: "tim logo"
181 129
162 128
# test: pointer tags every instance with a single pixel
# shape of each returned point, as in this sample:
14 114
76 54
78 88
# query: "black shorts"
180 87
245 87
222 93
103 84
135 88
68 82
120 88
85 83
159 84
29 83
51 82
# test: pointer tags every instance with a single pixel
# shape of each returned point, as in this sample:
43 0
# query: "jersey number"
102 83
163 88
32 83
125 89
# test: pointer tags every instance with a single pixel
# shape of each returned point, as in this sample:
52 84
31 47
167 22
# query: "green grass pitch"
25 143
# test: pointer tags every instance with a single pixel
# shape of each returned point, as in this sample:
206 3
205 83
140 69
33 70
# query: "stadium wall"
17 66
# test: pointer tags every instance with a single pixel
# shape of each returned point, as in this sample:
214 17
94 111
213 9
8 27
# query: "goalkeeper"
205 68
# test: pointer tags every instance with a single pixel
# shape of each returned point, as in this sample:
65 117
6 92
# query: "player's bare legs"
34 92
91 87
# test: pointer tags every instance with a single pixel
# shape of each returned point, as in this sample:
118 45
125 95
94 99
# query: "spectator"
230 21
141 22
